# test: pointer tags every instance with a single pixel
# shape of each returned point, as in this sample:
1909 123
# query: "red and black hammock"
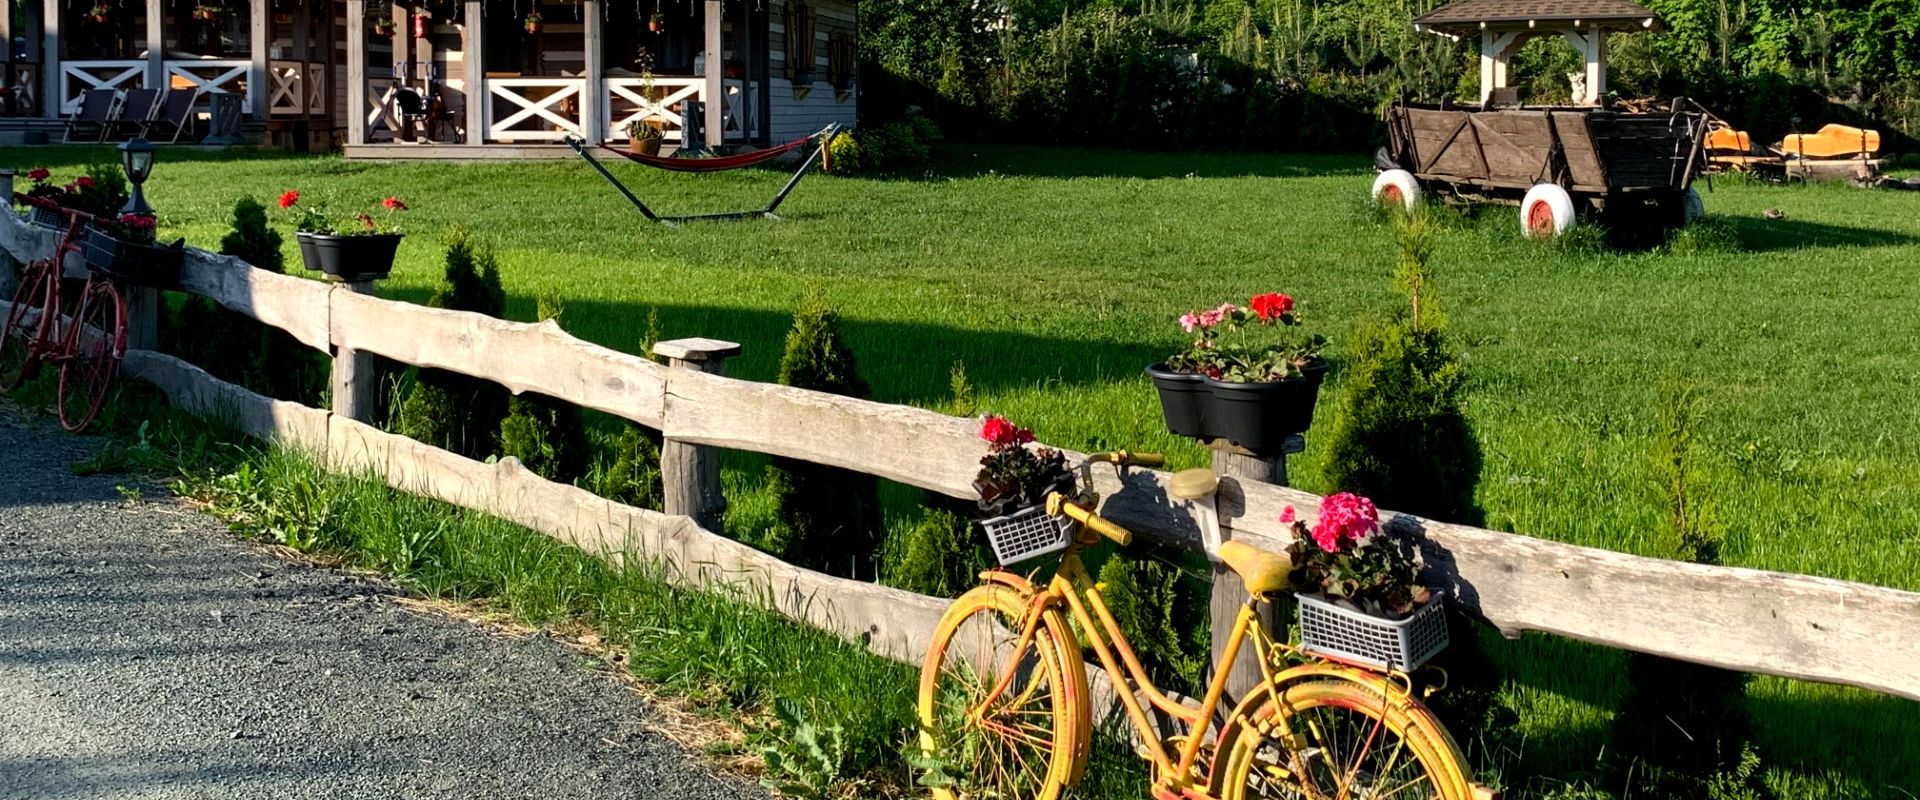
818 141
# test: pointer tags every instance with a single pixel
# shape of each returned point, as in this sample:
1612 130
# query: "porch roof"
1473 15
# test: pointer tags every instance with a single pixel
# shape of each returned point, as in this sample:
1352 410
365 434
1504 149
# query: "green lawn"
1055 275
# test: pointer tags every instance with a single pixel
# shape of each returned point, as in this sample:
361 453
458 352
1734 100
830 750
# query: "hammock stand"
713 164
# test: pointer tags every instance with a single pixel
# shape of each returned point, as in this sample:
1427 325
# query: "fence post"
1228 593
690 473
143 318
353 371
6 258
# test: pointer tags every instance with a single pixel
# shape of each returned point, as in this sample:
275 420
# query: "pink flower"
1209 319
1345 518
1286 515
1188 321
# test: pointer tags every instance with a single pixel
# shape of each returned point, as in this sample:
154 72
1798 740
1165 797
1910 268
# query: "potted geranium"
656 22
99 193
206 13
644 136
534 21
1358 587
122 246
359 250
1249 375
382 27
100 12
1014 482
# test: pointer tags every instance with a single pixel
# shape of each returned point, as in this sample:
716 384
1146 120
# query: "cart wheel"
1397 186
1696 208
1546 212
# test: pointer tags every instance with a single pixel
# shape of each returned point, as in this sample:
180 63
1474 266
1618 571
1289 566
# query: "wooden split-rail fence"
1773 623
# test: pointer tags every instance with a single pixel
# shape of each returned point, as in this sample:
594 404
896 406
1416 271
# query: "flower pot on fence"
1345 634
1027 533
134 263
350 258
1256 416
1184 398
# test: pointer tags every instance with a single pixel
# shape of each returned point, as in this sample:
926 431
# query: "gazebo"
1504 25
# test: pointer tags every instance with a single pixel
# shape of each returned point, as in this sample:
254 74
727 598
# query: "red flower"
83 182
394 204
289 197
1001 433
1271 306
139 221
38 174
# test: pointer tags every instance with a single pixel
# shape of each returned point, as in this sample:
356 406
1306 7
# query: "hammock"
714 164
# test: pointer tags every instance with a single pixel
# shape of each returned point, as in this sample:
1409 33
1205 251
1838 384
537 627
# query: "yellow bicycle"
1005 709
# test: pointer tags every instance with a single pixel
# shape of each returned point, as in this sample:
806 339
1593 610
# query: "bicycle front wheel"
1028 739
24 341
98 339
1339 739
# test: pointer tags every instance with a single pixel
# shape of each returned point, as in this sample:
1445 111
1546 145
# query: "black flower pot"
350 258
1184 398
1260 416
135 263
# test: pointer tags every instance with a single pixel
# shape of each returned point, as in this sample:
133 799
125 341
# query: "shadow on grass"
960 160
1759 235
60 157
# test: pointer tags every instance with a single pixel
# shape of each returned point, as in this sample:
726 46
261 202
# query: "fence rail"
1752 620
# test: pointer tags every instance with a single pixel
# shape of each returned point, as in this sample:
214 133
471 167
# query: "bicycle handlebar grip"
1094 522
1148 460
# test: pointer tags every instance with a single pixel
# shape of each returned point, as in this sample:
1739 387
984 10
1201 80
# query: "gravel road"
147 653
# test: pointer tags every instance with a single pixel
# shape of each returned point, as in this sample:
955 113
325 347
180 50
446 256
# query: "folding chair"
96 110
174 118
135 113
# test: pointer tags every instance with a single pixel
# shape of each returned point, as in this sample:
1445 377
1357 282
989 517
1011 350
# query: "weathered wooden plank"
524 357
201 394
295 305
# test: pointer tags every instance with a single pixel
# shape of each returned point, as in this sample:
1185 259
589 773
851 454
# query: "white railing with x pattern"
296 88
533 109
78 77
213 76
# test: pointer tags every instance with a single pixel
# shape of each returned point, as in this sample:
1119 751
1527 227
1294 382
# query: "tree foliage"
446 409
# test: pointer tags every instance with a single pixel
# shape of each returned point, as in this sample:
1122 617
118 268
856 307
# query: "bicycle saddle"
1261 571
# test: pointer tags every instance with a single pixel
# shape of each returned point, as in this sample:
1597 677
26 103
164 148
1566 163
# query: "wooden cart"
1558 164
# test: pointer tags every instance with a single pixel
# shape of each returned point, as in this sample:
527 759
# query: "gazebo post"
714 99
356 111
1493 60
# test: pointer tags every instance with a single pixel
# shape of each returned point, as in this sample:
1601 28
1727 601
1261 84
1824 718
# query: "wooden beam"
1228 593
356 112
192 389
52 82
353 379
690 473
260 39
593 75
474 56
156 45
716 102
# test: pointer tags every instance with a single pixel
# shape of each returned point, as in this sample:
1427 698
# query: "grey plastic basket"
1348 635
1027 533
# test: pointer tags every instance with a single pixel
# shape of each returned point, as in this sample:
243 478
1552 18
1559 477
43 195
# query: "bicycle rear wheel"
99 338
1028 741
24 343
1346 742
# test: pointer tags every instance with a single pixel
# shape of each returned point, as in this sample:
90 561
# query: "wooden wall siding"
1752 620
794 117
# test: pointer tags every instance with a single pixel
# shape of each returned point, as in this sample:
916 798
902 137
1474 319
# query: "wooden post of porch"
690 473
156 45
260 37
1229 594
474 36
593 89
356 111
714 102
52 95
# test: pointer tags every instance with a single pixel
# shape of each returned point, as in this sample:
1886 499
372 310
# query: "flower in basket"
1348 558
316 219
1260 342
135 228
1014 476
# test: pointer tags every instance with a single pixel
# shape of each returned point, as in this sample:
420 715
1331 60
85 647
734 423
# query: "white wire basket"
1026 534
1348 635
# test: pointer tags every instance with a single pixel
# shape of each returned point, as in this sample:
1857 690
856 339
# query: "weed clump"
544 433
446 409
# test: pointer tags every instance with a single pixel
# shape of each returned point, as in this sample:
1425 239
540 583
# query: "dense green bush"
938 553
235 347
830 517
1163 612
447 409
545 433
899 148
631 474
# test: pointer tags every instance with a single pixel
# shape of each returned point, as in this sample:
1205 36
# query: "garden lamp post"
136 157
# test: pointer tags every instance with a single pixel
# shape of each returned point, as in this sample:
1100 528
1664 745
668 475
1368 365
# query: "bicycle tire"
23 348
1348 742
1034 743
96 341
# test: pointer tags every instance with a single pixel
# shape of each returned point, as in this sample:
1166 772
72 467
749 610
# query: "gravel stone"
145 652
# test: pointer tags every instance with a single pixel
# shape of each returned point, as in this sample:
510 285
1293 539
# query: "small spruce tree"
447 409
1153 602
632 475
937 553
831 516
545 433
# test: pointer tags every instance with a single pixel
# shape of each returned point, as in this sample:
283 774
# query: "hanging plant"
657 22
206 13
534 20
382 26
100 12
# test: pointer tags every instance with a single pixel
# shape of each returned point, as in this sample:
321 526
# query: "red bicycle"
87 344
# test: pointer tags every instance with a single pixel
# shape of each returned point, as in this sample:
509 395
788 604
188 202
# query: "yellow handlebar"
1125 458
1058 504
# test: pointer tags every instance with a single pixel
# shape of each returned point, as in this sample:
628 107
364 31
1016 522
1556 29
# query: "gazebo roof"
1465 15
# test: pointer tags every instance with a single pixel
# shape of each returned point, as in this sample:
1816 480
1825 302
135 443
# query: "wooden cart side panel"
1515 144
1444 144
1576 142
1641 152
